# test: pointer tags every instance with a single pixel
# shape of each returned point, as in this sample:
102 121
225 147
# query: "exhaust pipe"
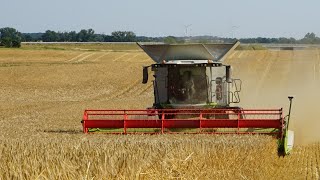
228 74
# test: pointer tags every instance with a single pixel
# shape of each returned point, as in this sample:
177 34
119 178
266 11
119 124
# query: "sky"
224 18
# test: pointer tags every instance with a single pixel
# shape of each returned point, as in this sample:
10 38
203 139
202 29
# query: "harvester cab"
192 76
194 92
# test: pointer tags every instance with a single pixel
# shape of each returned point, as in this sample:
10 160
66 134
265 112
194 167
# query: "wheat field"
45 89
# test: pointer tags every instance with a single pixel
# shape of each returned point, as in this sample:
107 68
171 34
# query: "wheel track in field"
131 58
134 59
138 88
81 57
99 57
116 94
84 58
138 91
132 90
76 57
144 90
120 57
144 60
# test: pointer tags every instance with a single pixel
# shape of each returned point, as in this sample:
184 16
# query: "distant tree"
72 36
149 39
62 36
10 37
292 40
310 35
310 38
86 35
50 36
123 36
68 36
107 38
26 38
99 38
274 40
32 37
129 36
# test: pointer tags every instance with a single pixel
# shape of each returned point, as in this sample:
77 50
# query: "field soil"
45 89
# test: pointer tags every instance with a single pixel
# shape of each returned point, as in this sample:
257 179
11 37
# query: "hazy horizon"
237 19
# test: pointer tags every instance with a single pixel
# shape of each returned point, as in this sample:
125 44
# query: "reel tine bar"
241 120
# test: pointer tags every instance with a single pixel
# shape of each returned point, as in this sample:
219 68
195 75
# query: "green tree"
310 38
86 35
123 36
107 38
10 37
26 38
72 36
50 36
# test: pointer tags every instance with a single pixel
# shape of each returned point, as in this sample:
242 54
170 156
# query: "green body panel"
283 144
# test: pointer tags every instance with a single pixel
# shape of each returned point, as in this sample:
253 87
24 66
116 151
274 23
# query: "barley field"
45 89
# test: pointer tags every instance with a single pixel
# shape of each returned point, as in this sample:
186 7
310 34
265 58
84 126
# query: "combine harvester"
193 92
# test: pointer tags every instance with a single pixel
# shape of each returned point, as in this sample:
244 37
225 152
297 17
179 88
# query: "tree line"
309 38
10 37
85 35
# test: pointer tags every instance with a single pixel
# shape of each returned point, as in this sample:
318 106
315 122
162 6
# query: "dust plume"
270 76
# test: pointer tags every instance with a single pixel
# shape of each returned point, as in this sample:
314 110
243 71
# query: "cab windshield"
187 85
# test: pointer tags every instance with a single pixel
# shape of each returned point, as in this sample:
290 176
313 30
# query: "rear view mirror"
228 74
145 75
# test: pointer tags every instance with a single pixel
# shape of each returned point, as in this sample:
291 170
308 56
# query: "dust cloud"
269 77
